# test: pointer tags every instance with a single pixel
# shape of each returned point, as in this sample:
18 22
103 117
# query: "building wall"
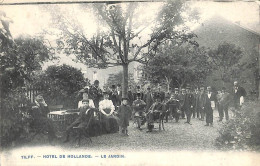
218 30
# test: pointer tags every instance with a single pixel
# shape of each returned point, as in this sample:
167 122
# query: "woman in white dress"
107 109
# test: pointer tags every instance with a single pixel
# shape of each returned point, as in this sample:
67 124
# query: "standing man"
223 104
138 90
173 105
210 106
148 98
161 93
188 104
239 94
113 95
196 104
182 102
119 93
95 93
202 102
130 95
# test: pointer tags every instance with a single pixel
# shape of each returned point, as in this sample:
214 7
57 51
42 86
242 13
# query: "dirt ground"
177 136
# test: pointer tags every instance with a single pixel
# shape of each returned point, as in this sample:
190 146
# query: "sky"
32 20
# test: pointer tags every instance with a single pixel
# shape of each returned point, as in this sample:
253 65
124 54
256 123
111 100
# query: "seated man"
83 120
107 109
39 118
155 112
139 107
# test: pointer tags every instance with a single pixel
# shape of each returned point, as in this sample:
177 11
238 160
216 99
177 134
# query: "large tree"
178 66
226 61
124 33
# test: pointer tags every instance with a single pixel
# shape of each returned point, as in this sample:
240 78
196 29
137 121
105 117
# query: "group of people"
115 111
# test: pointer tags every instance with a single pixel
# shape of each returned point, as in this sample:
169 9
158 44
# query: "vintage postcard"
129 82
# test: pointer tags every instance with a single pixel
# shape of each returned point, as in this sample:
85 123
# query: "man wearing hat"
182 101
210 105
188 104
119 93
156 109
39 115
124 114
202 101
223 104
239 94
83 119
138 90
130 95
95 93
139 109
196 110
173 106
148 98
113 95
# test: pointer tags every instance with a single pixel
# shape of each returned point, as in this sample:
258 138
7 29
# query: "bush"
13 124
60 85
243 131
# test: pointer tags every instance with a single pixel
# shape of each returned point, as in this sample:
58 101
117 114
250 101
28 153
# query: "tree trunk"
125 80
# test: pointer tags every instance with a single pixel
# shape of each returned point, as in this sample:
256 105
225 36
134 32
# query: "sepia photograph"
168 82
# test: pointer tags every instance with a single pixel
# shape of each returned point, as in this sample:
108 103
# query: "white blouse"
106 104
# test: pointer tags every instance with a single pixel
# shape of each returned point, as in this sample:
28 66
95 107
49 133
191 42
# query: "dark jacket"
124 114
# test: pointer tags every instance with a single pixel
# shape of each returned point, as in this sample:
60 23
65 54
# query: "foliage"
179 65
13 124
19 58
226 60
60 85
115 79
21 61
243 131
121 36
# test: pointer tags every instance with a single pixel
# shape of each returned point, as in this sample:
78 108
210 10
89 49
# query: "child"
124 114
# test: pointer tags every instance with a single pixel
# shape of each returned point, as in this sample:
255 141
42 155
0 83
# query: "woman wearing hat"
85 96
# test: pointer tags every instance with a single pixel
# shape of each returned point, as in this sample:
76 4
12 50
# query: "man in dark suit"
188 104
95 93
113 96
138 90
172 105
210 105
40 121
148 98
119 93
196 103
201 104
239 94
182 101
130 95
